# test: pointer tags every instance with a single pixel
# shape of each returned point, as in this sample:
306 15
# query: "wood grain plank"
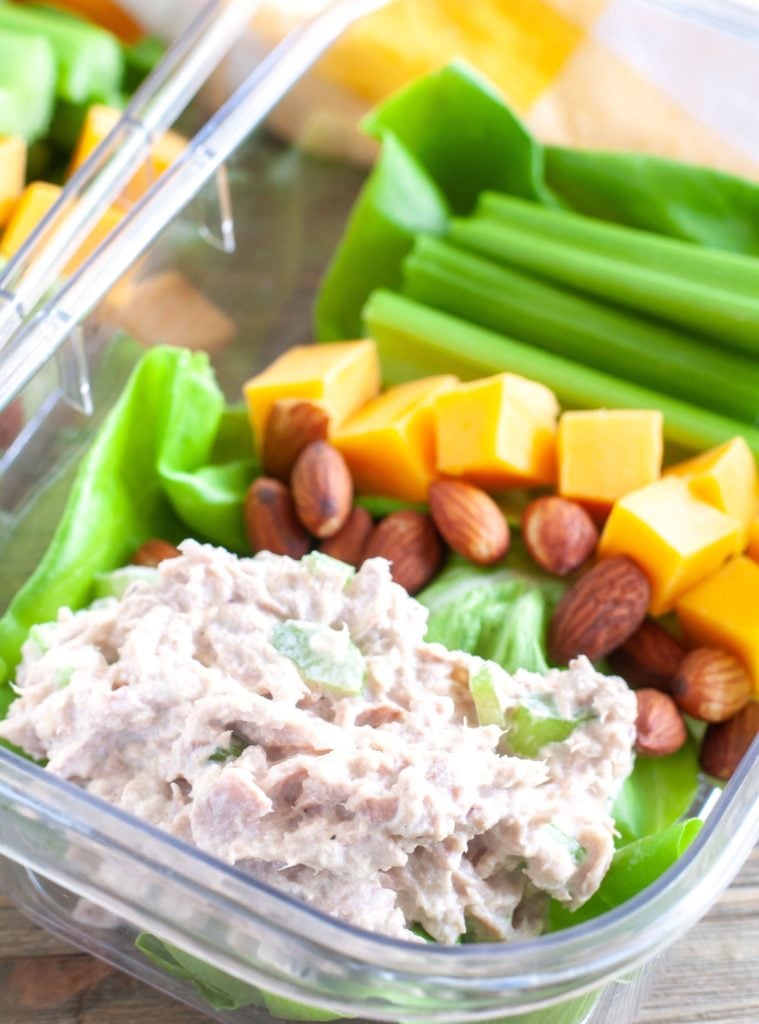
711 976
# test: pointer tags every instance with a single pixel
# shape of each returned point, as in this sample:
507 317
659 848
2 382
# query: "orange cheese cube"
497 432
604 454
34 203
673 536
724 477
99 121
722 611
389 444
342 375
12 173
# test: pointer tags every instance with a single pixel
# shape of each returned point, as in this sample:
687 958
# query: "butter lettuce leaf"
500 614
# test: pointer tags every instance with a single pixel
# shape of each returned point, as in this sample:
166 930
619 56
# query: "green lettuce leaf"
500 614
169 461
633 868
659 791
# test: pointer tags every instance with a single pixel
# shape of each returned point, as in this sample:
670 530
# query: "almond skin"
469 521
711 684
349 543
322 489
659 726
410 543
599 611
725 743
270 519
559 534
292 424
650 657
153 552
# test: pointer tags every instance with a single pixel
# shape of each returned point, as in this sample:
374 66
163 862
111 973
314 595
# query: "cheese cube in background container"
34 203
99 121
676 538
498 432
723 611
12 173
604 454
342 375
389 444
724 477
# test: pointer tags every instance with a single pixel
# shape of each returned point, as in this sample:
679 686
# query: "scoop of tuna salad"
289 718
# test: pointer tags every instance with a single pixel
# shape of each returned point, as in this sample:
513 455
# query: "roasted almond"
650 657
349 543
11 423
599 611
659 726
711 684
469 521
322 489
725 743
154 551
270 519
559 534
408 540
292 424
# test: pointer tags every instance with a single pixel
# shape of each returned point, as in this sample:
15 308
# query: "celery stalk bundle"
650 353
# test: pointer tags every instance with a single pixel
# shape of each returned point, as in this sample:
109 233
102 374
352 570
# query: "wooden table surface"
710 977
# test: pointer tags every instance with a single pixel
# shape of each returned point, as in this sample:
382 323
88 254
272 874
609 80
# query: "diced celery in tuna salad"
289 718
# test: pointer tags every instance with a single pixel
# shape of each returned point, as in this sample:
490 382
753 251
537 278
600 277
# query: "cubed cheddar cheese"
676 538
497 432
723 611
34 203
12 173
603 454
389 444
99 121
342 375
724 477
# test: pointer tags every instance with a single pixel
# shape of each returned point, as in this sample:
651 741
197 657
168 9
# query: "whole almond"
559 534
349 543
410 543
659 726
11 423
153 552
292 424
270 519
599 611
469 521
711 684
322 489
725 743
650 657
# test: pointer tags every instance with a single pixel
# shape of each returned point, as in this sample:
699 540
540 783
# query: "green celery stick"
714 268
414 340
90 63
27 84
727 317
581 328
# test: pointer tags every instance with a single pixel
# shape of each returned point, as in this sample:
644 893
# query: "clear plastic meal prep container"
101 879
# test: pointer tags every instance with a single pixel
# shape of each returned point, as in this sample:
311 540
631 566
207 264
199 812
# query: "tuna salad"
289 718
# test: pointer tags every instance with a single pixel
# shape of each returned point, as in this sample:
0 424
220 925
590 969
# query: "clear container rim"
621 938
